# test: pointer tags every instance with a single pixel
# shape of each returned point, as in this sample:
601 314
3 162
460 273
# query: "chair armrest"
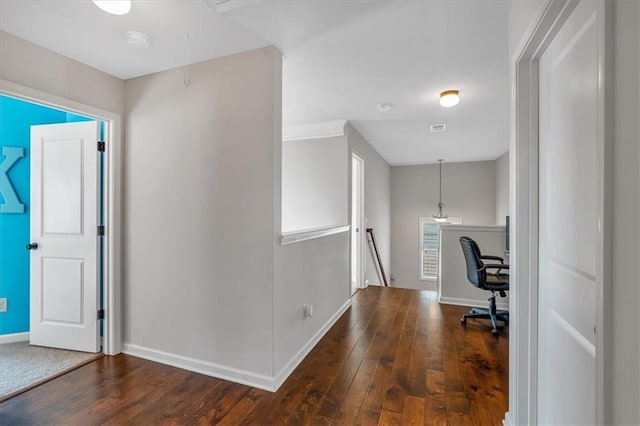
499 268
498 258
496 266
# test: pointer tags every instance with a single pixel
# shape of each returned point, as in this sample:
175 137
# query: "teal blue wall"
16 118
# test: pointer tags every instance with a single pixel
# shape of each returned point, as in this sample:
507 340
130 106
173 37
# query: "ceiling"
342 58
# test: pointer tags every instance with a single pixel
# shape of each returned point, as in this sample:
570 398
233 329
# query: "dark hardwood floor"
396 357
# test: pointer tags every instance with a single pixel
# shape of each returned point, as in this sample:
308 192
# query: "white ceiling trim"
328 129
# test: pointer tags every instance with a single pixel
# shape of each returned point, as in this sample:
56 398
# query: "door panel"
64 219
570 245
62 162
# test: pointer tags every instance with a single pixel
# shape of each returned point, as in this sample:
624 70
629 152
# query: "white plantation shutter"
430 242
430 250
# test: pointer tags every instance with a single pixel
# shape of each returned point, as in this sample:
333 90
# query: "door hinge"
100 230
101 314
101 146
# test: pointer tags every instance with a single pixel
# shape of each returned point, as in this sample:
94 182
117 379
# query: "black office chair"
495 282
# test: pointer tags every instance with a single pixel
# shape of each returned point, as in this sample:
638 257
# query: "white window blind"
429 245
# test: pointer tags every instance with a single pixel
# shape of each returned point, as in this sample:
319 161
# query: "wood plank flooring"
395 357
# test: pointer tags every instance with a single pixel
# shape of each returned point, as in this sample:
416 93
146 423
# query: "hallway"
395 357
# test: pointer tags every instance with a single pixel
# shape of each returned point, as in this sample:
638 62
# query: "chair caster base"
463 321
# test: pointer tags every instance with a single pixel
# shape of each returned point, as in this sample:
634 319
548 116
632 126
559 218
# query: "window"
429 244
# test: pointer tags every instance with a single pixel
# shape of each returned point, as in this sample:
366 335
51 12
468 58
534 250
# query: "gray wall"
200 210
314 176
314 272
468 190
35 67
377 203
622 368
502 188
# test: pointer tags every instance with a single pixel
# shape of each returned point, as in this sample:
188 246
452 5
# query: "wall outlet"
308 311
3 304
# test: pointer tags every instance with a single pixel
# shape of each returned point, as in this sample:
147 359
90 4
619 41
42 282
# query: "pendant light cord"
186 71
440 182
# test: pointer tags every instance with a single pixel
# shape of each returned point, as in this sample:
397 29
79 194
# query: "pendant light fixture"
440 216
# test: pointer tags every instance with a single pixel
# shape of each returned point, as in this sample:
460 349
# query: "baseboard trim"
507 420
14 337
203 367
481 303
297 358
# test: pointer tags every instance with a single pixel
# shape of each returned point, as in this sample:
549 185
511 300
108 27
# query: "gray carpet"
22 366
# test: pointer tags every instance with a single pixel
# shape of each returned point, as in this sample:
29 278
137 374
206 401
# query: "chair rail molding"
310 234
328 129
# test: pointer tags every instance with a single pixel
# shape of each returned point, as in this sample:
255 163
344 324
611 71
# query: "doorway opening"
22 108
357 223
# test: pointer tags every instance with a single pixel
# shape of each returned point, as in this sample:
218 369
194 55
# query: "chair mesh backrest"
475 267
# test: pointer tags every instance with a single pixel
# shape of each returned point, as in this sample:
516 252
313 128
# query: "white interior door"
571 206
357 223
64 219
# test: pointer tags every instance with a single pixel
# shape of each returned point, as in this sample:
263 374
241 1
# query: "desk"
453 286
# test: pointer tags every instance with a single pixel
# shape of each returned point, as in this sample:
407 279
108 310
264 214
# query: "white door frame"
523 301
112 202
362 237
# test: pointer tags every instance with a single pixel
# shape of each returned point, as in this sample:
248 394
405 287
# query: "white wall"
377 203
35 67
202 196
314 194
502 188
468 190
454 287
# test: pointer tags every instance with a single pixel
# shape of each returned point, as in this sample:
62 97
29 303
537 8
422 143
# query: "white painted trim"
523 346
15 337
483 228
232 374
329 129
207 368
422 220
304 351
472 303
113 249
507 420
364 239
311 234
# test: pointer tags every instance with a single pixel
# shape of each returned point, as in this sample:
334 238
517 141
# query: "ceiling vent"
437 128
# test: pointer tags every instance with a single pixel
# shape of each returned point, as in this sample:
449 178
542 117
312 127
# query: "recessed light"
138 39
437 128
449 98
114 7
384 107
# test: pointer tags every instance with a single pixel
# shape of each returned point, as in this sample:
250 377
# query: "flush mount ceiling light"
449 98
114 7
138 39
384 107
